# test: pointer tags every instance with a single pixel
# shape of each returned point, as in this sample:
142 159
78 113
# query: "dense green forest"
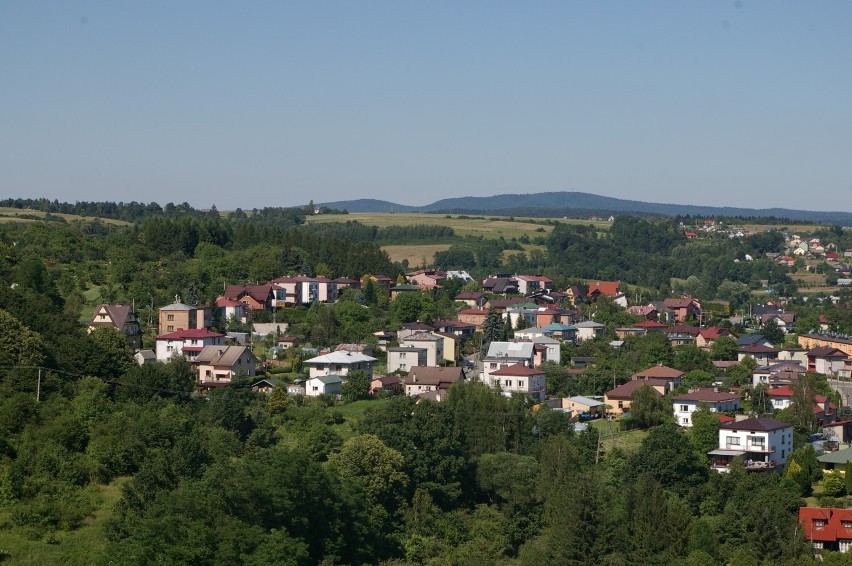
92 443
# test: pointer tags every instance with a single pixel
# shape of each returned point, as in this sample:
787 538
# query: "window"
508 383
403 366
170 328
208 373
170 317
103 317
520 383
757 442
732 441
493 366
685 420
315 388
819 524
846 524
170 348
684 408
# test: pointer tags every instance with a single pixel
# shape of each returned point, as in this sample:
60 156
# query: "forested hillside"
103 461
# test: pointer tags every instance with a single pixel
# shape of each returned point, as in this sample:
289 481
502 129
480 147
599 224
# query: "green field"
70 548
613 438
8 214
487 226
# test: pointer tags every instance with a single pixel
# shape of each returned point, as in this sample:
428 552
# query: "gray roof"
839 457
341 357
177 307
510 350
589 324
225 356
586 401
329 379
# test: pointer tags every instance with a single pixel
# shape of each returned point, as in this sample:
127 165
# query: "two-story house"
716 401
519 379
403 358
121 317
179 316
426 379
827 528
217 365
763 443
187 343
504 354
340 363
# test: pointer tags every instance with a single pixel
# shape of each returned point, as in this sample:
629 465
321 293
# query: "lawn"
77 547
487 226
415 253
8 214
611 437
354 414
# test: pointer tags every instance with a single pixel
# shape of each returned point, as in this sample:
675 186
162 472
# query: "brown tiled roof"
433 375
763 424
627 390
221 356
659 372
707 395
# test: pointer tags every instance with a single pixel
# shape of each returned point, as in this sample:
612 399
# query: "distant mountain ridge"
570 203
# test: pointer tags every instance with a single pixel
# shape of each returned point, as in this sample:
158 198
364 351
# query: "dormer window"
846 524
819 524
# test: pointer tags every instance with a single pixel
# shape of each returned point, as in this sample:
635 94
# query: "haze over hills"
578 204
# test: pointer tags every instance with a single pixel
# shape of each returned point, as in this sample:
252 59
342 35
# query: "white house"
340 363
504 354
406 357
323 385
763 444
589 329
716 402
519 379
546 349
187 343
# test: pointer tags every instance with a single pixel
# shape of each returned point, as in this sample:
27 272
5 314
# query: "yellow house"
811 341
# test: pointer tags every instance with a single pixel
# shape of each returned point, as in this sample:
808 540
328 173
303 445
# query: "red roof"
683 329
713 333
724 419
826 524
226 302
679 303
609 288
190 333
474 311
517 370
658 372
781 391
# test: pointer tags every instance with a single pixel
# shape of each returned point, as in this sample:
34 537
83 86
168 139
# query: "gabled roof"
714 333
416 326
827 352
433 375
650 325
226 302
517 370
222 356
750 339
118 315
658 372
609 288
762 424
832 529
328 379
627 390
679 302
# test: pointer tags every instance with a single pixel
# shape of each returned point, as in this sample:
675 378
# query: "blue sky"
252 104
